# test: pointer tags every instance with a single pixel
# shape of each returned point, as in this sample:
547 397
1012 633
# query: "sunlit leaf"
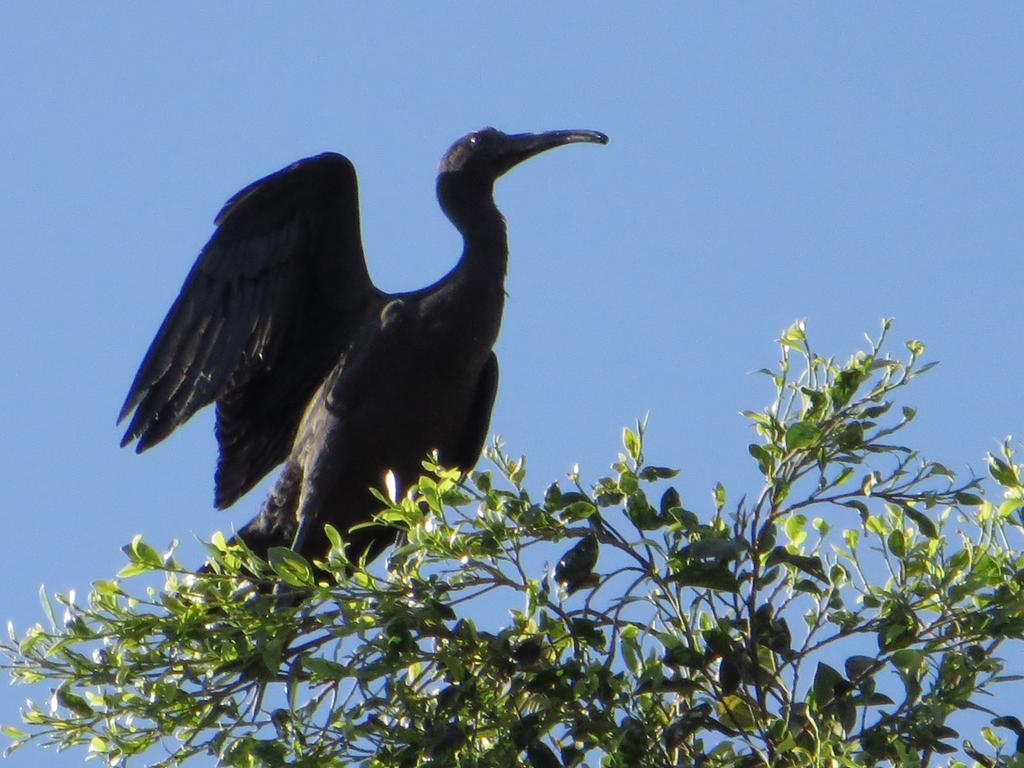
1003 473
631 442
12 733
736 713
292 567
719 496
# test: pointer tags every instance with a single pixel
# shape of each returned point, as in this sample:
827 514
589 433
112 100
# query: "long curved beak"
522 146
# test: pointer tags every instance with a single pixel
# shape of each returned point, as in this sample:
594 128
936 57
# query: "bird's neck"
481 270
478 281
472 295
485 249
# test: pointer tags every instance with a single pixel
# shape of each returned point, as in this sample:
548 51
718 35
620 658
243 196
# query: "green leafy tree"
849 612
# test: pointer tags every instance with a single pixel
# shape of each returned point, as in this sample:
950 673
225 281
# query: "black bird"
313 366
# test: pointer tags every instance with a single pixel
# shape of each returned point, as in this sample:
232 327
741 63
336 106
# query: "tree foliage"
845 613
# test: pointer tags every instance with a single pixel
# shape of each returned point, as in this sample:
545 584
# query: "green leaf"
858 667
577 510
588 633
575 567
682 656
811 565
669 500
766 537
794 336
877 525
292 567
108 587
641 513
1003 473
442 610
807 586
851 437
818 403
482 481
897 544
142 555
861 508
801 435
683 518
718 494
935 468
764 458
876 410
794 527
1011 722
736 713
728 675
628 482
73 702
969 499
334 537
828 684
650 474
909 659
714 576
428 489
324 669
846 385
133 569
12 733
923 522
631 442
877 700
897 628
722 550
44 600
552 496
682 728
630 647
868 483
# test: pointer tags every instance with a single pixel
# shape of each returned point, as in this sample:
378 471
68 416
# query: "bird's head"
471 165
484 155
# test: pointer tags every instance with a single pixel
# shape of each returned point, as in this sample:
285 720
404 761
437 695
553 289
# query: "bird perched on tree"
311 365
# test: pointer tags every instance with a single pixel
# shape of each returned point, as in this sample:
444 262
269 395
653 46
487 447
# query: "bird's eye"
474 139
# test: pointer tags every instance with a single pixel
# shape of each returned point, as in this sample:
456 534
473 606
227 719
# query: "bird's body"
311 365
346 441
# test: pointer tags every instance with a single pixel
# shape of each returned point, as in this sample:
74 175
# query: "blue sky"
766 164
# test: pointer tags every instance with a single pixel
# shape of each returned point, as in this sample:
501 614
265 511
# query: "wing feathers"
260 320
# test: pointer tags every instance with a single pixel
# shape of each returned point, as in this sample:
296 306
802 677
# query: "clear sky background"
766 164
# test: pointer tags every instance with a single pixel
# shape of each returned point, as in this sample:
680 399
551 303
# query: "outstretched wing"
263 316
